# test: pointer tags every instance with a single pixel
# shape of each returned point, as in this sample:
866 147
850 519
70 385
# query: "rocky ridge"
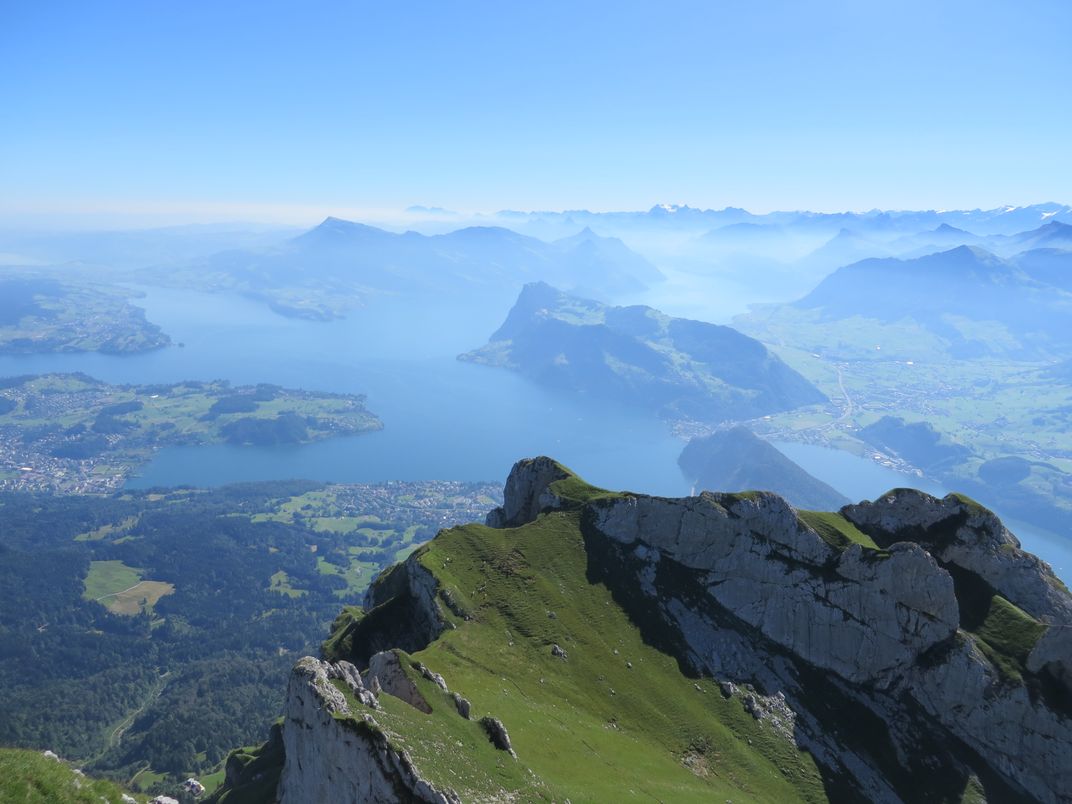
908 645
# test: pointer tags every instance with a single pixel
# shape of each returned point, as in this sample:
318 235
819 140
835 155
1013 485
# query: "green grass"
280 582
121 589
212 781
105 531
29 777
972 505
146 778
591 728
339 524
836 530
108 578
575 489
1007 635
357 575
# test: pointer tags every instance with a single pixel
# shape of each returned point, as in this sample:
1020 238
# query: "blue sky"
211 110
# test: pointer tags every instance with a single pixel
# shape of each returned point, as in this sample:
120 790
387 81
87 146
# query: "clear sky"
265 110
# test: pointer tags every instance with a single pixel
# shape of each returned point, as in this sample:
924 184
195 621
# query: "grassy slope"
591 727
29 777
1008 635
835 529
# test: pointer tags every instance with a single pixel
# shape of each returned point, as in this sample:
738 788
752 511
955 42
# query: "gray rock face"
330 759
389 676
864 615
497 734
970 537
527 492
403 611
1053 655
829 647
768 602
1020 737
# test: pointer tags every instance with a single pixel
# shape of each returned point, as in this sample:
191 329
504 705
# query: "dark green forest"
258 573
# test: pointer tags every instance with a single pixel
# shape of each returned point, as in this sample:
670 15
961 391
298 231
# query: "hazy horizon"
119 115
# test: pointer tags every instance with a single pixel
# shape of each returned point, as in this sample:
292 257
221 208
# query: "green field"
121 589
358 574
280 582
74 316
108 578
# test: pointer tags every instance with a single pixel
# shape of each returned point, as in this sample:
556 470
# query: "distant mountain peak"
338 231
331 222
945 228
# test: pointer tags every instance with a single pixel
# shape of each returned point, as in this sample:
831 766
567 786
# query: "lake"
443 419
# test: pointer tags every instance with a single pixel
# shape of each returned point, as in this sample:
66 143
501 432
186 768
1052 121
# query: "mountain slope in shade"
942 291
1048 266
737 460
641 357
918 443
1054 234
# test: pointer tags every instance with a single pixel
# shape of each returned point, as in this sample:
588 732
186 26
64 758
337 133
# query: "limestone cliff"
896 651
754 593
337 752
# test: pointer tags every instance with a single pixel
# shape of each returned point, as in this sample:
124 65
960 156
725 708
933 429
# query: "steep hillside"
641 357
737 460
599 646
36 777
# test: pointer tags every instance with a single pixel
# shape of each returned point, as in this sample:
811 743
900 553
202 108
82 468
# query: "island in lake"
45 314
70 433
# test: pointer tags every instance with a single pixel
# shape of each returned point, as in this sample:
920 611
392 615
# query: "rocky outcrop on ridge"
334 753
908 644
752 594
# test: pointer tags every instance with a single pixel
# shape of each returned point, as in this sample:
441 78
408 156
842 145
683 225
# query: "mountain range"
1024 304
339 265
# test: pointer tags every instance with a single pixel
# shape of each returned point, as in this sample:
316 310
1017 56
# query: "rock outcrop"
862 614
528 491
963 535
908 645
401 611
334 753
749 593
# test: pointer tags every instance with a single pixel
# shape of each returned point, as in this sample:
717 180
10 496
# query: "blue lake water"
443 419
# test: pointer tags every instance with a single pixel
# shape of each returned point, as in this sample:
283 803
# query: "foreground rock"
908 646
